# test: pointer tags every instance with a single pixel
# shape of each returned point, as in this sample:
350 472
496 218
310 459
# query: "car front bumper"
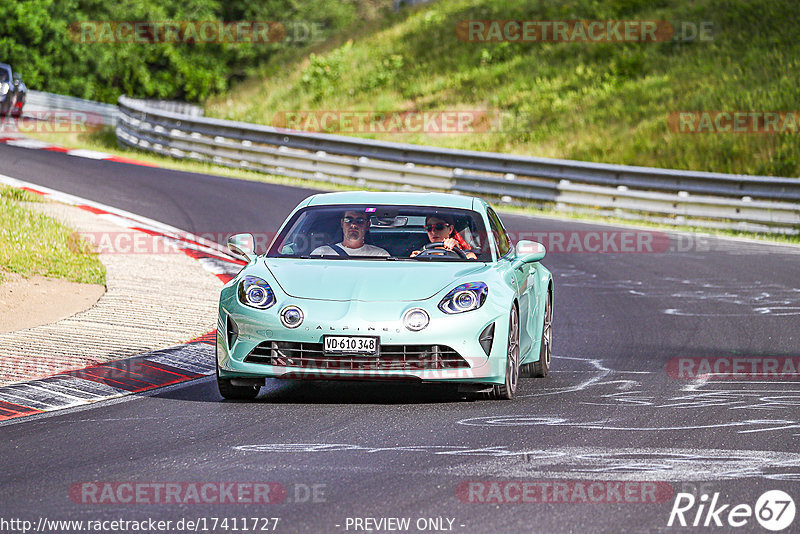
459 332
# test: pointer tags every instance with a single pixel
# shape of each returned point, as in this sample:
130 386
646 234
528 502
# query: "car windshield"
360 232
3 75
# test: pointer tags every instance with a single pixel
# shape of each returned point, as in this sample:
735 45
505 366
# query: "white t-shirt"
364 250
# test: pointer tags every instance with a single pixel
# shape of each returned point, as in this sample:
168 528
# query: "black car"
12 92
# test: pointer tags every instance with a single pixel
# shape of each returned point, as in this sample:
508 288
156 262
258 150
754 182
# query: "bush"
36 39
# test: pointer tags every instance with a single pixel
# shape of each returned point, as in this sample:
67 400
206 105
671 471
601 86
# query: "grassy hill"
605 101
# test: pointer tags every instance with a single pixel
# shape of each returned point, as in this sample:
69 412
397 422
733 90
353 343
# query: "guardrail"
41 101
751 203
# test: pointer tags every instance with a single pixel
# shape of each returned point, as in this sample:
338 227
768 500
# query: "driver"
354 230
441 229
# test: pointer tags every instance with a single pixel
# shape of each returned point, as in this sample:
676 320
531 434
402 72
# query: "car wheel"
508 389
231 392
542 367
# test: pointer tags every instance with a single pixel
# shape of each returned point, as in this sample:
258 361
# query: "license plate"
351 344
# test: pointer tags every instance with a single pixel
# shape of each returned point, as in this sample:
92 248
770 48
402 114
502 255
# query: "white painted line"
50 389
180 364
91 154
28 143
18 397
52 394
106 401
97 389
72 386
215 266
191 358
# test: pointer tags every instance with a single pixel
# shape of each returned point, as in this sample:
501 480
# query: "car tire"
508 388
539 369
231 392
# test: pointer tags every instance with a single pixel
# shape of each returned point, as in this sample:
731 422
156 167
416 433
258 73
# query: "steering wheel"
437 249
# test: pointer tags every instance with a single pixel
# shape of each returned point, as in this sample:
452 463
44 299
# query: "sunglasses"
437 227
354 220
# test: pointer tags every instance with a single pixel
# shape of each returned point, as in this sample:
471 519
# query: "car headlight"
256 293
465 297
4 88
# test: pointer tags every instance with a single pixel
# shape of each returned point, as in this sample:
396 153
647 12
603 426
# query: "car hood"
365 280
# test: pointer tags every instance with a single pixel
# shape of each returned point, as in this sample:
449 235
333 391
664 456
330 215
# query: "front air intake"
232 330
390 358
487 338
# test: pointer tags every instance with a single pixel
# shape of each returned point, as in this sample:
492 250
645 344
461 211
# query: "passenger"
440 228
354 229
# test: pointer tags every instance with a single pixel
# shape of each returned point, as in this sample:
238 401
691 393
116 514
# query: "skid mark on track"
598 463
750 425
735 406
603 387
628 389
733 298
598 370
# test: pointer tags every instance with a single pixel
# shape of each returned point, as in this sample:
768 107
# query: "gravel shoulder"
151 301
39 300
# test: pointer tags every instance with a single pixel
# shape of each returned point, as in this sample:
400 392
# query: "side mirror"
242 245
529 251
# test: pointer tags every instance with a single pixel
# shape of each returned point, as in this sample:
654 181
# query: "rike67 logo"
774 510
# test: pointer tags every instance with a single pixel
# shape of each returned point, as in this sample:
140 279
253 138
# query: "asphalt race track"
608 440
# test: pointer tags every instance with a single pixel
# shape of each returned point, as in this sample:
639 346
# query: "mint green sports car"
387 286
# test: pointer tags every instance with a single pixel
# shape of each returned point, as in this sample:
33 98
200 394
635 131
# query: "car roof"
439 200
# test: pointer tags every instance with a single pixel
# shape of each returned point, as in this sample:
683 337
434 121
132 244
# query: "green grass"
604 102
31 243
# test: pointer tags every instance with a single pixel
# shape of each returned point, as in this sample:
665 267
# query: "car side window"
498 233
